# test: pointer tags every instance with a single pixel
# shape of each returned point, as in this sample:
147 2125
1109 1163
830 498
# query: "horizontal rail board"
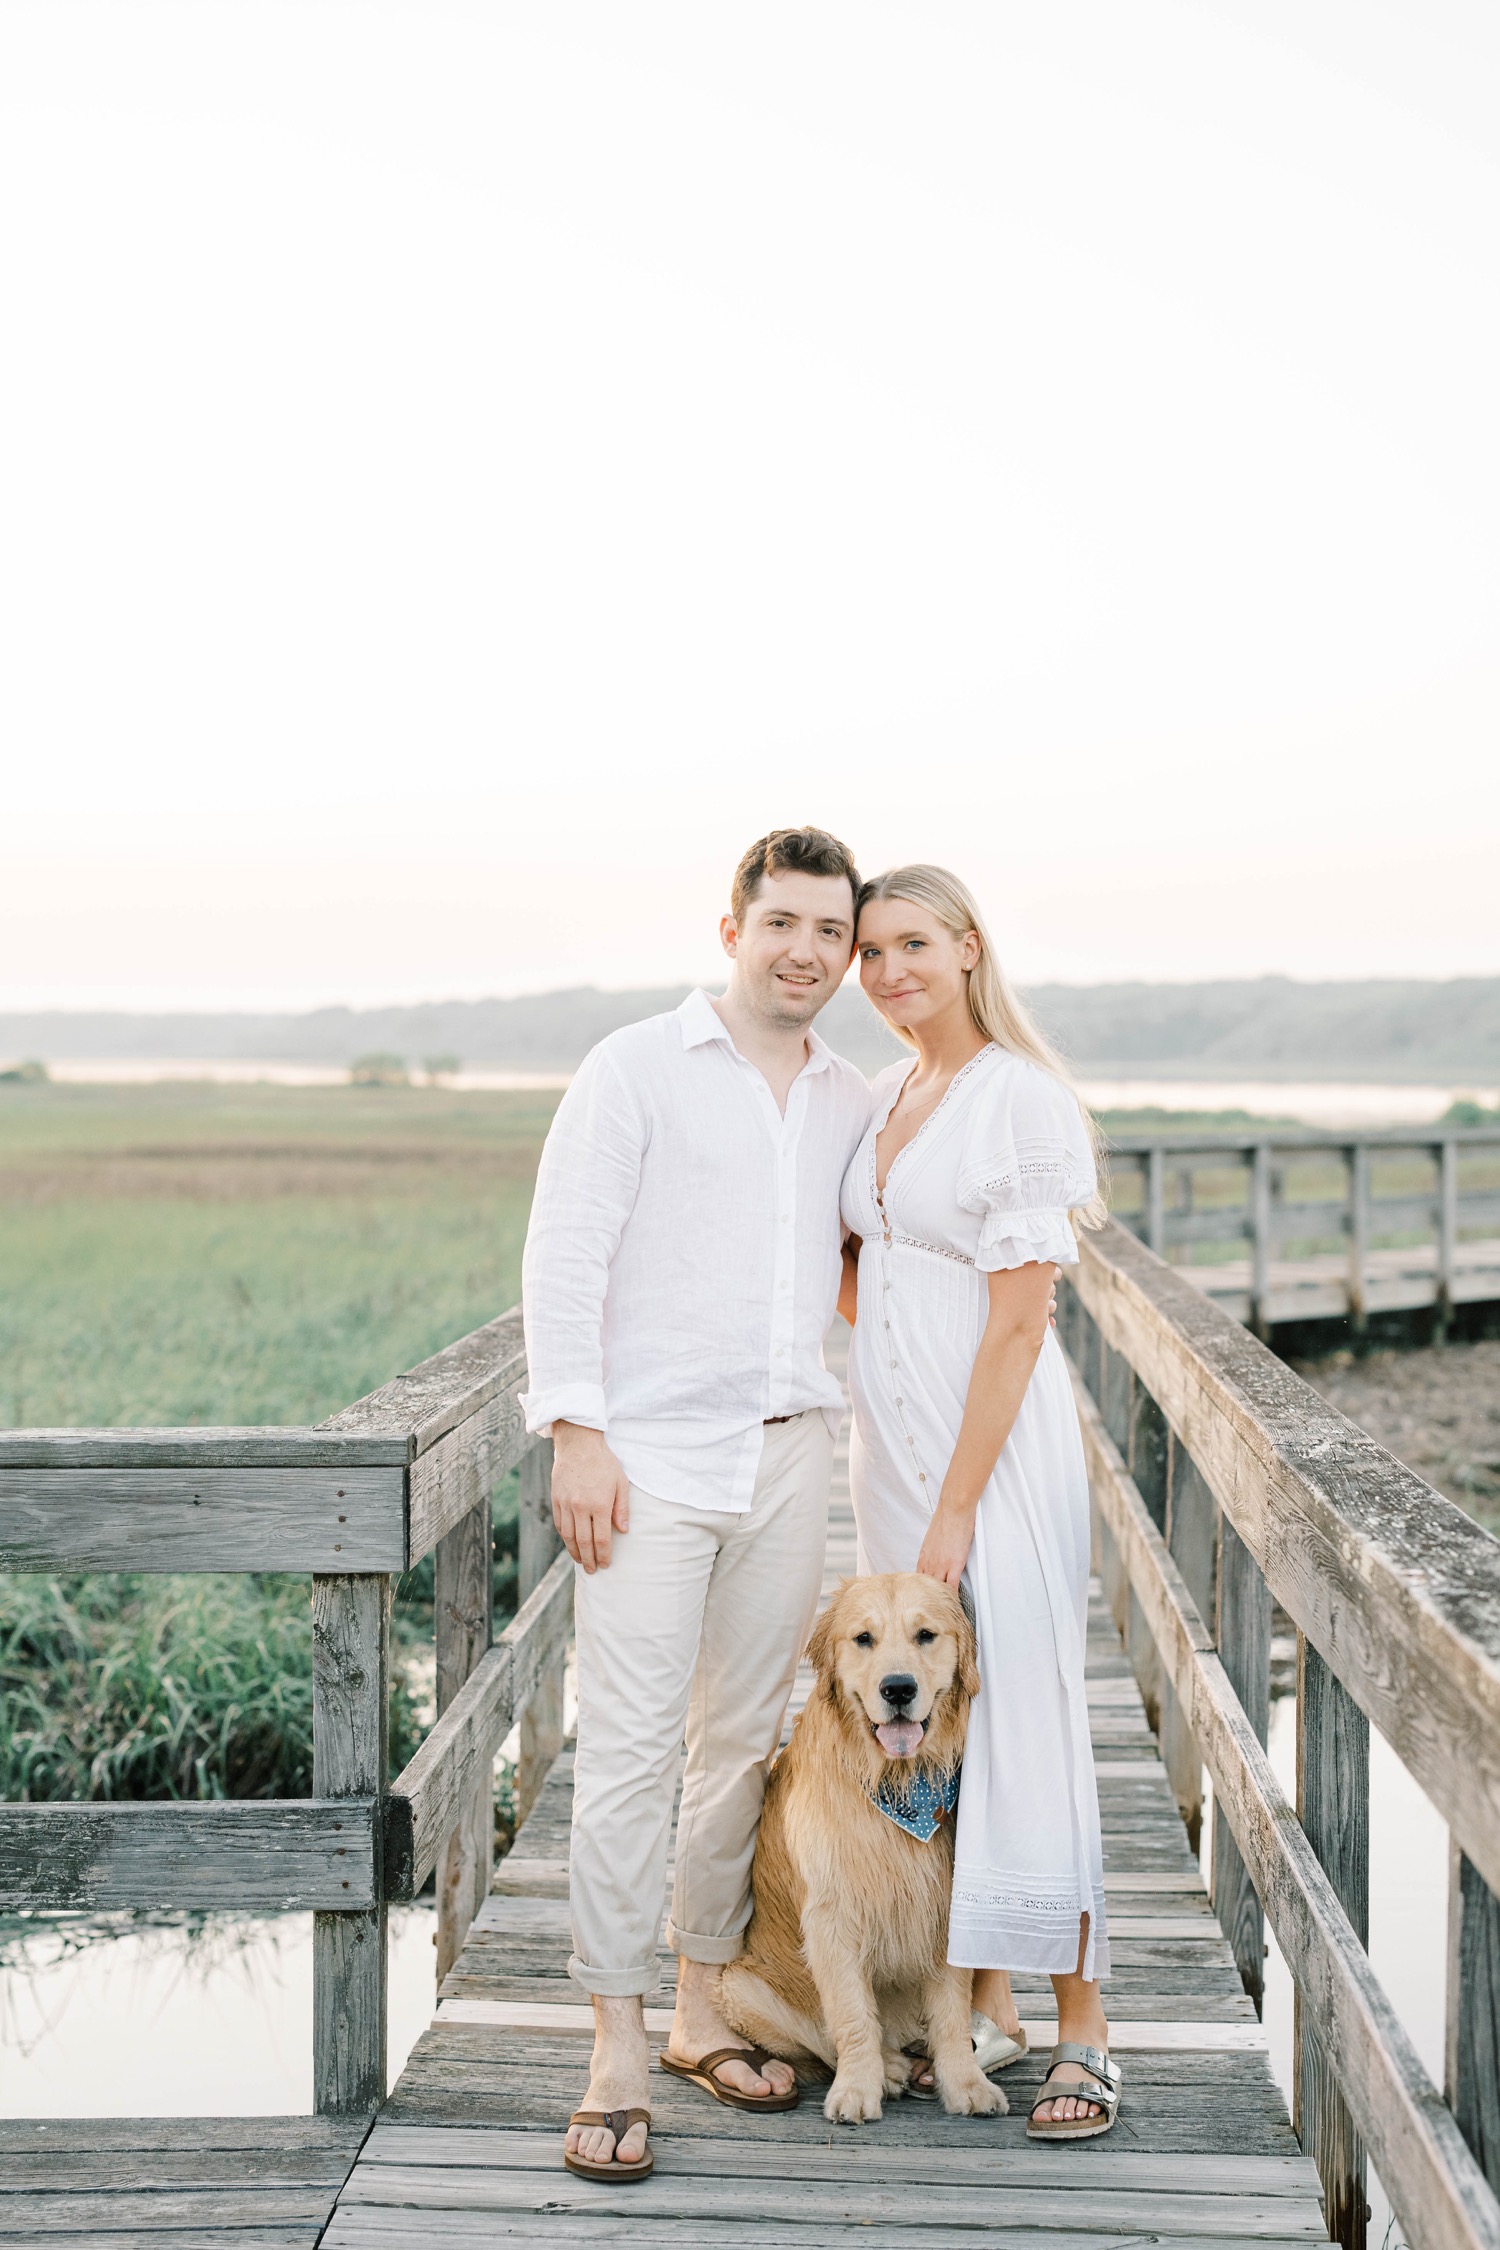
431 1398
1413 2139
429 1797
1397 1589
1302 1140
256 1447
251 1856
466 1462
319 1519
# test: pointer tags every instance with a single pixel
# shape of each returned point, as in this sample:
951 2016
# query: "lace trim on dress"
1009 1179
1008 1892
937 1249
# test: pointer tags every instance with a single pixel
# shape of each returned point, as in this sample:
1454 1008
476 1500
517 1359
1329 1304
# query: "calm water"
164 2023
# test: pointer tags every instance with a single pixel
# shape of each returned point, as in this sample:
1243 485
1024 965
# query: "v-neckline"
880 1187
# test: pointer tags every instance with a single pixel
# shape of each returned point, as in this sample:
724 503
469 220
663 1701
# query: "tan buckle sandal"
1102 2088
705 2073
618 2122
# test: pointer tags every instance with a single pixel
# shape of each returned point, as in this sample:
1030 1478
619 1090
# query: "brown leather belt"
770 1418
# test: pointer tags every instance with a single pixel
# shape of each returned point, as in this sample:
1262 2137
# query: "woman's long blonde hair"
997 1009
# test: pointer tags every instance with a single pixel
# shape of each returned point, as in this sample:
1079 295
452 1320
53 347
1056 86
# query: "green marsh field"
204 1254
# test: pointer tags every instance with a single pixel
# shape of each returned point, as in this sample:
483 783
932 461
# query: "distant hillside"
1266 1026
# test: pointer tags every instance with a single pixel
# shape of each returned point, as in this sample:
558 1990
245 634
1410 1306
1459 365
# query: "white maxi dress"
985 1185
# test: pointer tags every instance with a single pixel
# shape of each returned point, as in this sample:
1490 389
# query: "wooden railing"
354 1502
1337 1206
1220 1481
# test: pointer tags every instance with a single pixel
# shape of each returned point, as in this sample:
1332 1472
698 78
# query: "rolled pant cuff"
715 1951
616 1984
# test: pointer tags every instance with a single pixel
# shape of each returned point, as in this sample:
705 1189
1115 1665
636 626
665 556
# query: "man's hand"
590 1494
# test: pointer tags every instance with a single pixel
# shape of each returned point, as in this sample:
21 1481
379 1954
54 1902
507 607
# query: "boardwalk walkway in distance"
467 2151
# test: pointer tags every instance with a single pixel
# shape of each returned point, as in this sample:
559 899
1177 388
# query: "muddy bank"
1438 1410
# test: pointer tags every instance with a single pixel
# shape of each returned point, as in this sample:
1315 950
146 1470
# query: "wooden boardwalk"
467 2150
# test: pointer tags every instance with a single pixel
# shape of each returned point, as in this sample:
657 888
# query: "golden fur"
845 1959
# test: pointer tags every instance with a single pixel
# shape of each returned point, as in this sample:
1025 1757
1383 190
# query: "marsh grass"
210 1255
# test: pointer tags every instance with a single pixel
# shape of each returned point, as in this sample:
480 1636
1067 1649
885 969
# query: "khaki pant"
694 1630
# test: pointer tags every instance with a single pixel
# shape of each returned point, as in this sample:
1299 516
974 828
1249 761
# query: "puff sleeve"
1026 1164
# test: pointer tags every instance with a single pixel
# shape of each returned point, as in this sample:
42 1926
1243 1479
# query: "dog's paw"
849 2103
898 2070
973 2096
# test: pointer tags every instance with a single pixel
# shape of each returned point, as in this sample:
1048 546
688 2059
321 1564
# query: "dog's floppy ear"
968 1645
820 1643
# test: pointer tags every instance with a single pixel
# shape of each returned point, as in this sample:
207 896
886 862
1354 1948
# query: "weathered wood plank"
868 2156
319 1518
364 2227
852 2200
1243 1634
63 2137
259 1446
351 1642
434 1397
426 1798
464 1610
261 1855
539 1546
1333 1805
1395 1587
1472 2071
1434 2183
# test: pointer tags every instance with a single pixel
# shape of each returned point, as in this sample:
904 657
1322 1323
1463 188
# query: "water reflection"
179 2016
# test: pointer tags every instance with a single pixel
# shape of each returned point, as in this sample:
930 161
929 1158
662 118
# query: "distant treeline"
1263 1026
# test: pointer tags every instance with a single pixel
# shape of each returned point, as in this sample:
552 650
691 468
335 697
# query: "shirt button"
921 1476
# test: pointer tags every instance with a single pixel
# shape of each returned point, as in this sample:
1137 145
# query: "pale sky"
468 469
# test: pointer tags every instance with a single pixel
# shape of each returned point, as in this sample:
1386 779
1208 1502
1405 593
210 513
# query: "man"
681 1271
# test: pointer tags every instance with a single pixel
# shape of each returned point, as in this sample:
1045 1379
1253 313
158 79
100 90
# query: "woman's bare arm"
1014 1333
849 1278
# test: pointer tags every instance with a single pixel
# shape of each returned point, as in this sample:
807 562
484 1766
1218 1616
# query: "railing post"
1112 1390
1193 1539
1333 1805
1243 1633
1156 1206
1146 1455
1261 1184
463 1610
537 1545
1472 2061
1447 1242
1359 1232
351 1627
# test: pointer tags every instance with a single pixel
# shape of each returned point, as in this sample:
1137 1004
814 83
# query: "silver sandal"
1102 2088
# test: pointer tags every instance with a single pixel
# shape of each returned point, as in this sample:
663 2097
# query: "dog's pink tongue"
899 1738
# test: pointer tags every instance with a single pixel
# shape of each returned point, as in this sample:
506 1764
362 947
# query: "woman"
966 1459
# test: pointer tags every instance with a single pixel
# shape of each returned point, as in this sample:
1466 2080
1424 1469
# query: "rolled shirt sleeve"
585 1190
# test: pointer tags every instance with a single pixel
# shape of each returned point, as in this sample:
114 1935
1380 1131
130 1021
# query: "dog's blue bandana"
919 1805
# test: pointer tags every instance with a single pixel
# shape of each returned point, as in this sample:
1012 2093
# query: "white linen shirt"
682 1260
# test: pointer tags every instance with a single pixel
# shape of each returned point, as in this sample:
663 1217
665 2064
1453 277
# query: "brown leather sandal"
705 2073
618 2122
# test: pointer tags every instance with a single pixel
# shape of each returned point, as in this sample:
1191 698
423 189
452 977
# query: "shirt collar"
701 1022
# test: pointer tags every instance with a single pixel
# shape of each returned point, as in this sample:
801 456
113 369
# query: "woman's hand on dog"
590 1494
950 1535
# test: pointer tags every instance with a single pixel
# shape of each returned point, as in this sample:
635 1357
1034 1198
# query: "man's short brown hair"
788 851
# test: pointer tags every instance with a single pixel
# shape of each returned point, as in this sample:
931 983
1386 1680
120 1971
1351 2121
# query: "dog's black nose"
899 1689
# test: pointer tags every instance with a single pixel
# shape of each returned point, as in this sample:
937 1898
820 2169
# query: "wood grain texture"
351 1642
463 1582
435 1396
426 1798
1243 1637
258 1447
1395 1587
470 1457
258 1856
539 1545
1473 2058
1438 2190
1333 1805
319 1518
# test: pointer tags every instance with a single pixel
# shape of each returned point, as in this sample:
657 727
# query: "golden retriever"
845 1959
